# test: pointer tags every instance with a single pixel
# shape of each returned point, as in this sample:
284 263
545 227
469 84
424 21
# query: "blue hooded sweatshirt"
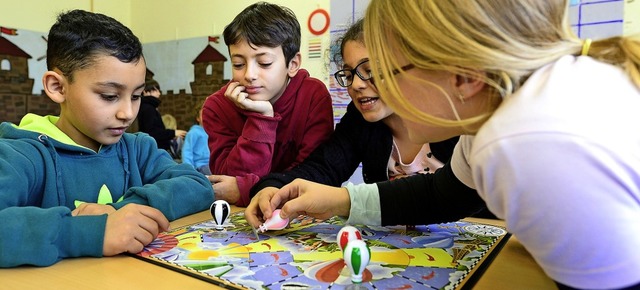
44 175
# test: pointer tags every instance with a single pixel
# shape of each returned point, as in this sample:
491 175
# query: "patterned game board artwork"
305 255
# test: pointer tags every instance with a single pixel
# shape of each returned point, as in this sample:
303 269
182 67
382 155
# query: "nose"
127 110
358 84
251 72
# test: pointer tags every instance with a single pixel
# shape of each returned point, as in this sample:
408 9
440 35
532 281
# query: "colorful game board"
305 255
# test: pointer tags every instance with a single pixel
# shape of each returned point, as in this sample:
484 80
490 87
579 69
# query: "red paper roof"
209 54
8 48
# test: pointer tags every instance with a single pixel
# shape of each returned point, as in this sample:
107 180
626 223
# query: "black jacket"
150 122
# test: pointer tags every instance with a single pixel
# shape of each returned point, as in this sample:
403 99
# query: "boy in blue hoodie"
78 185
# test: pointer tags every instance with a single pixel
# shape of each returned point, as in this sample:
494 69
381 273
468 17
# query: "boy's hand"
225 187
131 228
235 92
88 208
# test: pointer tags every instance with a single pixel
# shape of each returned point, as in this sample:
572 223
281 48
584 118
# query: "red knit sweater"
248 145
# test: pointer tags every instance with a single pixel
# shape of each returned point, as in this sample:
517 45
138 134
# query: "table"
512 268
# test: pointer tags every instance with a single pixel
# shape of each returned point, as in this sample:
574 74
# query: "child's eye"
238 65
136 97
109 97
266 64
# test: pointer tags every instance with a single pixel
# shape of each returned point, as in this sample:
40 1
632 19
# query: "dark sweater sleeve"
332 163
427 199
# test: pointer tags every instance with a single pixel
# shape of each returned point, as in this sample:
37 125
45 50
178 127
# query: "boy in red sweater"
272 114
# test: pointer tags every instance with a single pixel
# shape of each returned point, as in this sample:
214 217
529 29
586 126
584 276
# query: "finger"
160 220
237 93
140 239
87 208
287 192
284 196
214 178
243 99
232 86
135 247
291 209
264 203
218 191
252 214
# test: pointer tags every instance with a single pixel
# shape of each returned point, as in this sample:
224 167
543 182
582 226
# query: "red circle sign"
318 22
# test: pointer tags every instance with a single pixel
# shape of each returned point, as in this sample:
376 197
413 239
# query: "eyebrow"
345 65
257 55
118 86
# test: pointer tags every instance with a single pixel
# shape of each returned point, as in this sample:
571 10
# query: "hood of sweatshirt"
63 166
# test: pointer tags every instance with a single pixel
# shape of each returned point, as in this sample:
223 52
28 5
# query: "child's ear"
54 85
468 86
294 65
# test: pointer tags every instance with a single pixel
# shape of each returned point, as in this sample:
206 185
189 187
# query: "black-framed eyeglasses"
344 77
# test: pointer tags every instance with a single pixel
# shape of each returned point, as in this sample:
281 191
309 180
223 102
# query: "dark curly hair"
266 24
79 36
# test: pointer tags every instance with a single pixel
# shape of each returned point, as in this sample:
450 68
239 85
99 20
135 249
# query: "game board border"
472 277
190 272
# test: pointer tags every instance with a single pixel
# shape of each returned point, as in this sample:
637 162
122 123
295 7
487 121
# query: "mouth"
118 130
252 90
368 101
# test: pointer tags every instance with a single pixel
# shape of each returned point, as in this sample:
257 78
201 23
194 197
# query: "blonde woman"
556 151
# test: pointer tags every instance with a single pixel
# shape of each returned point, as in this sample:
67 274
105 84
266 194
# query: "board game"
305 255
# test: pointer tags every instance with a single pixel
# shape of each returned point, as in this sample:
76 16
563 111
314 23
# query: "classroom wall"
161 20
39 15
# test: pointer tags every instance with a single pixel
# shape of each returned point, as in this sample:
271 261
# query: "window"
5 64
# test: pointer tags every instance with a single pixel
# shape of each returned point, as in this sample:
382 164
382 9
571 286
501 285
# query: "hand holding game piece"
274 223
356 256
220 211
346 235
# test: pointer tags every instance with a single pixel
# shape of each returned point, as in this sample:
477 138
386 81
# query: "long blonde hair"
501 42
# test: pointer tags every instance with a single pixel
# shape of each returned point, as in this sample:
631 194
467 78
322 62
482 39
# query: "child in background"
151 122
272 114
195 150
169 121
175 145
78 185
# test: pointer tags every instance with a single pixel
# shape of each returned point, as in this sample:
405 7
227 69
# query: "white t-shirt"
560 162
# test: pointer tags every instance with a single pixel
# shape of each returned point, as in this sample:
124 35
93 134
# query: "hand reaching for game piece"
299 197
